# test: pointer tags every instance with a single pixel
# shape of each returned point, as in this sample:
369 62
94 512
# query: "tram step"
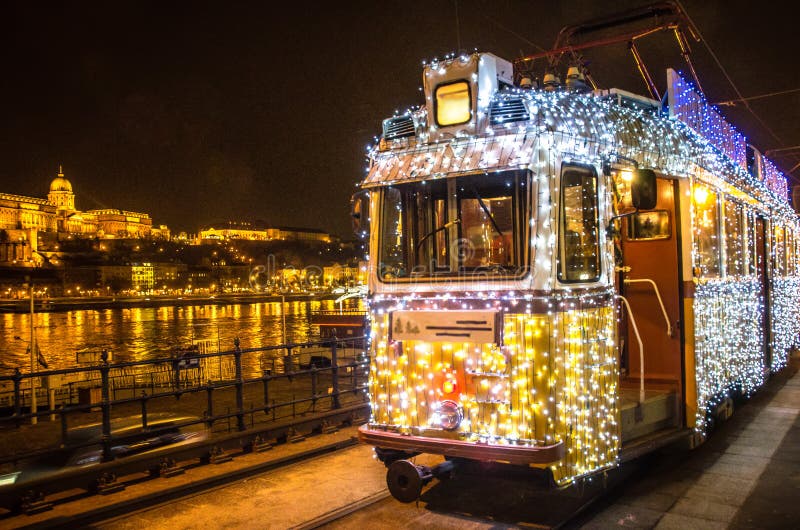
658 411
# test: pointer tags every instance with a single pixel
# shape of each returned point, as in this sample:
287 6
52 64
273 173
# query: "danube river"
151 332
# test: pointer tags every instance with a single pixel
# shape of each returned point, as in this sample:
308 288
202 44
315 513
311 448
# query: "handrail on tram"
658 295
641 347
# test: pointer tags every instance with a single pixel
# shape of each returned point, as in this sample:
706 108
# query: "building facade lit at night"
22 219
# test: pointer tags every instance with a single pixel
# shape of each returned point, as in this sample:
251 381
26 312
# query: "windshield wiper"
434 231
486 211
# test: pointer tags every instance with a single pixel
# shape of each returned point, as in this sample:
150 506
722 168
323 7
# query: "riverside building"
24 219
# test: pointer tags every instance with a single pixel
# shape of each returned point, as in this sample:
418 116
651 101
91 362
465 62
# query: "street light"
32 347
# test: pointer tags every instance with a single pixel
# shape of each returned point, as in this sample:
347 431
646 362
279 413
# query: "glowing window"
579 242
735 250
779 252
453 104
469 225
706 232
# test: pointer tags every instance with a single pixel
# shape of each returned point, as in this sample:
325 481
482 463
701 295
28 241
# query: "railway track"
382 511
141 491
327 481
346 489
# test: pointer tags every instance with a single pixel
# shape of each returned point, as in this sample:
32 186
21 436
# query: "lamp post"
283 316
32 348
33 360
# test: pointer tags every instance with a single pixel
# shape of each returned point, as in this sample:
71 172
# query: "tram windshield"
469 225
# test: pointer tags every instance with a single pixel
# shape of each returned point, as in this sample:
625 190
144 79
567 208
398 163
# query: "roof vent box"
459 90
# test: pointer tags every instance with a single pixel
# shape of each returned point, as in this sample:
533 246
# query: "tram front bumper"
513 454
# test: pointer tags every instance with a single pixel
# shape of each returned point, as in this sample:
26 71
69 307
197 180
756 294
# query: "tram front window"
466 225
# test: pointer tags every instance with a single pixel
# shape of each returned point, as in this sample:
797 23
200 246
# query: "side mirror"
359 213
643 189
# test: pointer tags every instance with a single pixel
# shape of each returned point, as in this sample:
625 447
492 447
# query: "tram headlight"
450 415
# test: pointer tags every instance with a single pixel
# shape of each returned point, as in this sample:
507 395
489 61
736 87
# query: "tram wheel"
405 480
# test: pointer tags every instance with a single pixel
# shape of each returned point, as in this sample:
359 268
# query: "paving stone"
652 500
753 447
675 487
746 435
743 460
704 509
758 433
624 516
724 482
721 493
774 501
673 521
736 470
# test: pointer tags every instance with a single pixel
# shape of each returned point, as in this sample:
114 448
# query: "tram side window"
706 232
779 263
735 251
579 245
752 242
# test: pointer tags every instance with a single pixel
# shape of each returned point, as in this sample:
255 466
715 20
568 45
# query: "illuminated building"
337 274
251 232
57 213
23 213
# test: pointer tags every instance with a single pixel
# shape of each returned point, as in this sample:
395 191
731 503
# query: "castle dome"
60 183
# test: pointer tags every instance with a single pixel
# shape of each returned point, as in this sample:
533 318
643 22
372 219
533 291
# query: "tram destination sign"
447 326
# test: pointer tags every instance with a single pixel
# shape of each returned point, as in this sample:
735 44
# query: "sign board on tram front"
447 326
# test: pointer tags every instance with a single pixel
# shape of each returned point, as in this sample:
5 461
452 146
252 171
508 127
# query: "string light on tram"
550 377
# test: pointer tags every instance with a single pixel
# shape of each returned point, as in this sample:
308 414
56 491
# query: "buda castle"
24 220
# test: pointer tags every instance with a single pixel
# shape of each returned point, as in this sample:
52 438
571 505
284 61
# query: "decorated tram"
565 278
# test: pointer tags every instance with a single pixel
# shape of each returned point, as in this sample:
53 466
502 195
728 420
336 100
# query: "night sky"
197 112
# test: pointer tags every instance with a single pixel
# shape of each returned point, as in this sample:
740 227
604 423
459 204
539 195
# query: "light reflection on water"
146 333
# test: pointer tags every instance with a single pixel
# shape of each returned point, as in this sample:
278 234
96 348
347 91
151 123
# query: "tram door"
760 261
651 267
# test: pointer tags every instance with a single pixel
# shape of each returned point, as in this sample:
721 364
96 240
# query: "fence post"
314 377
176 368
64 431
210 404
17 398
105 407
237 356
288 365
51 400
265 380
335 404
144 410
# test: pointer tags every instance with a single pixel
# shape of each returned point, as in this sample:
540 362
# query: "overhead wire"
733 85
732 102
514 33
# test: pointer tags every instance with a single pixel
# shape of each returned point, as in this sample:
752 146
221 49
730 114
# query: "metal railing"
211 389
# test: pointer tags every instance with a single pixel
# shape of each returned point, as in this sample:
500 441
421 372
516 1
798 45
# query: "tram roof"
582 126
